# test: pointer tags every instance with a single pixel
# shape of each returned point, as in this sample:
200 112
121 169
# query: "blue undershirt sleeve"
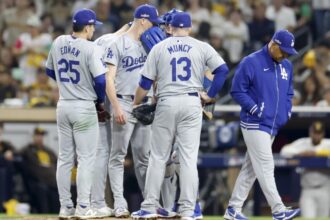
220 75
99 87
145 83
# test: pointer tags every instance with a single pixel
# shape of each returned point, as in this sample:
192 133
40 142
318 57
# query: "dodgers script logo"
130 63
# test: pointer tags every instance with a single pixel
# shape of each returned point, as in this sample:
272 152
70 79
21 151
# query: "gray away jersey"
105 41
129 57
178 64
76 62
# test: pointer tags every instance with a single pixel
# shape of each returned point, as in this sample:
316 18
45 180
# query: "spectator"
122 10
315 196
32 48
13 21
7 169
321 17
325 102
39 172
7 58
216 42
236 35
198 14
79 4
310 92
7 88
40 92
261 29
110 22
284 17
61 12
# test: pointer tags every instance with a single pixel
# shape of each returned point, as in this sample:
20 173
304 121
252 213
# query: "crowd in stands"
233 27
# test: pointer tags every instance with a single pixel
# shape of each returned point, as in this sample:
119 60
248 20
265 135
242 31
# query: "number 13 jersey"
178 65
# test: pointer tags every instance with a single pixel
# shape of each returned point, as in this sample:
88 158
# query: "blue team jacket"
263 88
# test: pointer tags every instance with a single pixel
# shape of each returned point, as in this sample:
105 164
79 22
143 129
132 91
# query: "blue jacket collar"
267 54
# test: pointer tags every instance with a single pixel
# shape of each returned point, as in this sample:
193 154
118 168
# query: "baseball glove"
145 113
208 110
151 37
102 114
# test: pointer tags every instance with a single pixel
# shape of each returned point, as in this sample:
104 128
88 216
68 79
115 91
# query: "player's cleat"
287 214
198 211
163 213
84 212
143 214
66 213
232 214
121 213
104 212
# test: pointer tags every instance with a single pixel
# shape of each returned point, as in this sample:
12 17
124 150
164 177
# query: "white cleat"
104 212
85 213
121 213
66 213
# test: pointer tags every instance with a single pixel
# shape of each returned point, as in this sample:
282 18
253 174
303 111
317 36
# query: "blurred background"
28 135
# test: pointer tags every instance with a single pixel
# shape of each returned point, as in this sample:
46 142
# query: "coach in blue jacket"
262 86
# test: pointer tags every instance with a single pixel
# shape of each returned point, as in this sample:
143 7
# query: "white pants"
179 117
258 164
315 202
78 133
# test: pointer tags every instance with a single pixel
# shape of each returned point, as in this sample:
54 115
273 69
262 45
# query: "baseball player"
177 64
170 187
77 66
315 194
104 144
262 86
125 57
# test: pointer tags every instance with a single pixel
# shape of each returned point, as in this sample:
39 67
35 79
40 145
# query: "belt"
193 93
131 98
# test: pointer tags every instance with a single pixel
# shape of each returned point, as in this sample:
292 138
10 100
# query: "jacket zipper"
277 100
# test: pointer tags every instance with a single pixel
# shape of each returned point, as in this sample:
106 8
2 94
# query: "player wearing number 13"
177 64
76 65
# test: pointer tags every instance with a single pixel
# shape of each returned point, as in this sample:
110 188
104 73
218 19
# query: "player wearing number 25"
76 65
262 86
177 64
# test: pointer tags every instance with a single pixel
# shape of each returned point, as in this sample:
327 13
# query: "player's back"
181 63
74 65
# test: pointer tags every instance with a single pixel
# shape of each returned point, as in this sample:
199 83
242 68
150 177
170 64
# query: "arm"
240 88
142 90
111 93
220 75
99 87
299 147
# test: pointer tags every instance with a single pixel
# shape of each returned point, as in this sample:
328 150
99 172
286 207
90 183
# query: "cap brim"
290 50
98 23
157 21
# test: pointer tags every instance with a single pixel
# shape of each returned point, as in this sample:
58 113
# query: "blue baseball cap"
181 20
85 17
148 12
167 17
285 40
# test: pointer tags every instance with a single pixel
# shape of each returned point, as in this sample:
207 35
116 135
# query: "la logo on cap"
292 43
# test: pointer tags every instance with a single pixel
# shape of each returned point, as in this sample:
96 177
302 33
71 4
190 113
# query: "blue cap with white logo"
181 20
148 12
285 40
85 17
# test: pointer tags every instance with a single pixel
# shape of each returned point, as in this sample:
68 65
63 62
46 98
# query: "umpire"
262 86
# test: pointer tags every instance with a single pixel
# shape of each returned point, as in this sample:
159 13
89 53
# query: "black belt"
193 93
131 98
